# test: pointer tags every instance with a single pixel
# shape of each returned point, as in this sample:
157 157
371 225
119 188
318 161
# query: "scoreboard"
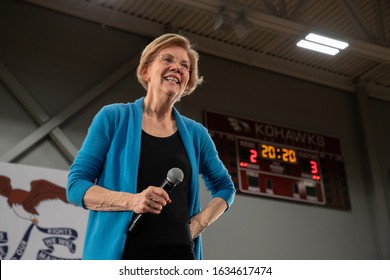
268 160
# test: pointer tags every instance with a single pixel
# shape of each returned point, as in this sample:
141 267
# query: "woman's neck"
158 108
157 118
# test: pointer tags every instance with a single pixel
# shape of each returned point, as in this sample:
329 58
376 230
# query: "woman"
126 155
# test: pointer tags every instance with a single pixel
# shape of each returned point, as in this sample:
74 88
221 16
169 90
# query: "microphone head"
175 176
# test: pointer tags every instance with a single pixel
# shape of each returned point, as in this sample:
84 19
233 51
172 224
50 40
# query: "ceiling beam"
357 18
70 110
379 20
269 6
282 9
297 12
31 105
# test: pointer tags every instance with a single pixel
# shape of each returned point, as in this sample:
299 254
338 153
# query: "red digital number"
314 170
253 156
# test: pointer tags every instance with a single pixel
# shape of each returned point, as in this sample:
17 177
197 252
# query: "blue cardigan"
109 157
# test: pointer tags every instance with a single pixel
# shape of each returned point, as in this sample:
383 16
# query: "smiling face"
169 73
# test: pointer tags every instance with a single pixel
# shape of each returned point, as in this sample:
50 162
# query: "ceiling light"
322 44
242 27
326 41
223 22
317 47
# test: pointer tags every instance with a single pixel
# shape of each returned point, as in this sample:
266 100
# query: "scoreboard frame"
273 161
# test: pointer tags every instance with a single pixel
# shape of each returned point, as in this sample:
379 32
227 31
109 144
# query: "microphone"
174 177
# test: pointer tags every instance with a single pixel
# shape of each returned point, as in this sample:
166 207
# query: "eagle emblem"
24 203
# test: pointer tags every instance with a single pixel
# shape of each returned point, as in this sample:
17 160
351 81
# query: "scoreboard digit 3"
269 160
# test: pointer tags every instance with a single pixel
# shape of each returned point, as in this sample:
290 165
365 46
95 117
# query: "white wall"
58 58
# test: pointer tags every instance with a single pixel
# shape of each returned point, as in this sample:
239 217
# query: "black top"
166 235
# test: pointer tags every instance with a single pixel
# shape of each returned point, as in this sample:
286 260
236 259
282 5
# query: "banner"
37 222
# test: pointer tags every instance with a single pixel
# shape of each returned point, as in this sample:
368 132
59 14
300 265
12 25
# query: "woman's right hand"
151 200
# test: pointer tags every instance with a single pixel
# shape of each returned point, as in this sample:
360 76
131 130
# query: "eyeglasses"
169 59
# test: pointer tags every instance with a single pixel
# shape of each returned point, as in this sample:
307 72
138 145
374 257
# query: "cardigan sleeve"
87 166
214 173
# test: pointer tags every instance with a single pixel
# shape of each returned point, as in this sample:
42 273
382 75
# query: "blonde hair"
167 40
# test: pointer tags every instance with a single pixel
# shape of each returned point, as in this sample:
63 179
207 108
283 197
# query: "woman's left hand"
207 216
196 227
